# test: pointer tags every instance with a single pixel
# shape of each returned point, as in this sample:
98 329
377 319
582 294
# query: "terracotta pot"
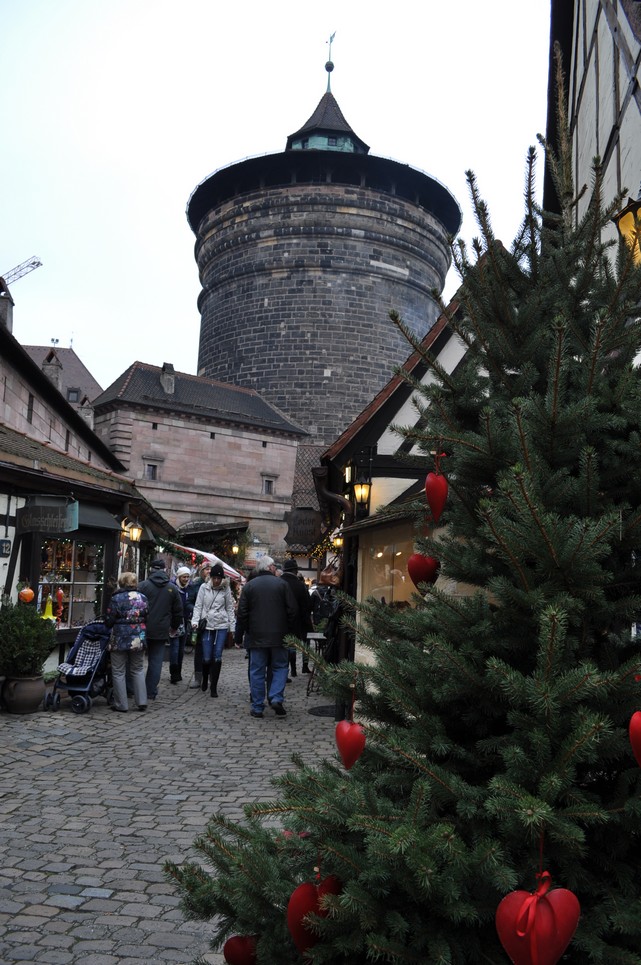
23 695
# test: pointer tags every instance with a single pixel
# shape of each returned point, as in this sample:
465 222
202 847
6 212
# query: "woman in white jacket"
215 604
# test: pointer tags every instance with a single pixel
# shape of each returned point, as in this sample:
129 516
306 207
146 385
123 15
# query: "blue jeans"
259 660
214 644
176 651
155 655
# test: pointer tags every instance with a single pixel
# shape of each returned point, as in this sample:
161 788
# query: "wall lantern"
131 530
235 549
362 490
628 222
337 541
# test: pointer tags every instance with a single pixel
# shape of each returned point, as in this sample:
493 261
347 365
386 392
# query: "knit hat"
217 570
290 566
158 564
183 571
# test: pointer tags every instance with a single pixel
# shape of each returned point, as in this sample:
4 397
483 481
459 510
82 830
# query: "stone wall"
205 471
297 284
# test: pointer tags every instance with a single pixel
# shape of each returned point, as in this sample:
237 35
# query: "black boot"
215 674
174 673
203 685
292 664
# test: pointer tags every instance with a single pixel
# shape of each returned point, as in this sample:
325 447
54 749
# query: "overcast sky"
113 111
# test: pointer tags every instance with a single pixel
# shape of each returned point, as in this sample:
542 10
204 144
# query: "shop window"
71 582
383 565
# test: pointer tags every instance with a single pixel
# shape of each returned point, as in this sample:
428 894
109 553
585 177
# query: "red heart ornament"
436 492
536 929
635 735
240 950
422 569
350 740
306 900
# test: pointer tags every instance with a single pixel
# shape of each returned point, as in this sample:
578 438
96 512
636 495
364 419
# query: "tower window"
264 445
151 470
212 435
154 425
268 487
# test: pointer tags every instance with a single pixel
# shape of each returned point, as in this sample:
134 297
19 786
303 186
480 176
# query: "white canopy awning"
210 557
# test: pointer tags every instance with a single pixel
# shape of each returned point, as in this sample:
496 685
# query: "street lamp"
628 222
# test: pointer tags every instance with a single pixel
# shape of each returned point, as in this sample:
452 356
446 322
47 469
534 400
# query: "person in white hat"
177 638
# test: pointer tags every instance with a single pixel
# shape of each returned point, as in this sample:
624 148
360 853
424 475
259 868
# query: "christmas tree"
496 723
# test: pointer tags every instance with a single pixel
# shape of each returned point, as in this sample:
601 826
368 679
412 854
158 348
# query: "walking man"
165 614
267 613
303 600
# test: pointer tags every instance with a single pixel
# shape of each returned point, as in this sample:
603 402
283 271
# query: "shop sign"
304 527
50 518
5 547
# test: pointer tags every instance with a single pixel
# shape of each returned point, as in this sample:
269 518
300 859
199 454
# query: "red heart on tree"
422 569
436 492
240 950
635 735
306 900
535 929
350 740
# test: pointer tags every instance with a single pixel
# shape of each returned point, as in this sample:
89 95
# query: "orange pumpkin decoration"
26 595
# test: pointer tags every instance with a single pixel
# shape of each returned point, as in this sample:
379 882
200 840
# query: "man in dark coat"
165 614
303 605
267 614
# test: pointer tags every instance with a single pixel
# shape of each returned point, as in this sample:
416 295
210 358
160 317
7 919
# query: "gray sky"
113 111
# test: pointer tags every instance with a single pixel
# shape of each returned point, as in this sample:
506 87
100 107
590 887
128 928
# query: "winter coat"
303 605
266 611
126 613
165 605
216 604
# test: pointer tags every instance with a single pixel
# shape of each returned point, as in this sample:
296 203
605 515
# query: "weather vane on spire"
329 65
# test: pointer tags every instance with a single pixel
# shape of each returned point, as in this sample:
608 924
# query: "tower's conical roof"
327 130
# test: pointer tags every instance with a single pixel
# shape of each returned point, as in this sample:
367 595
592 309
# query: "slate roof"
74 375
327 118
140 386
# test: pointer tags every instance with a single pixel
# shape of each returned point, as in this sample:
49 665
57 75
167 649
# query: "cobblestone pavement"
92 804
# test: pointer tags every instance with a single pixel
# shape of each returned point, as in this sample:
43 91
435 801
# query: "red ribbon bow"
527 915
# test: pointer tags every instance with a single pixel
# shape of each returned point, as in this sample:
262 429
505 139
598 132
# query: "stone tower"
301 256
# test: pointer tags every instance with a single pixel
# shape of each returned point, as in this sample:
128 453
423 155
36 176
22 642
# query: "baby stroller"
86 673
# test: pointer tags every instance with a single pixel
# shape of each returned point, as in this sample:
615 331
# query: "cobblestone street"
91 805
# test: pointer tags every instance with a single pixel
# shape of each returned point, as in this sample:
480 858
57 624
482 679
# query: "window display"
383 573
71 582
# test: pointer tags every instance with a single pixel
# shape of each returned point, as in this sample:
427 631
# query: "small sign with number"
5 547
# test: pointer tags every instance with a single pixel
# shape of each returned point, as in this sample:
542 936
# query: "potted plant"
26 640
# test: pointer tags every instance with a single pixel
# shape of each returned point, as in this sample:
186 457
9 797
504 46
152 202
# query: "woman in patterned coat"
126 614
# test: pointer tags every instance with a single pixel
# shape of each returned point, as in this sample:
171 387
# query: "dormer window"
73 395
331 142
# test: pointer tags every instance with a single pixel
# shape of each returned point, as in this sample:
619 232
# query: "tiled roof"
19 450
74 375
140 385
